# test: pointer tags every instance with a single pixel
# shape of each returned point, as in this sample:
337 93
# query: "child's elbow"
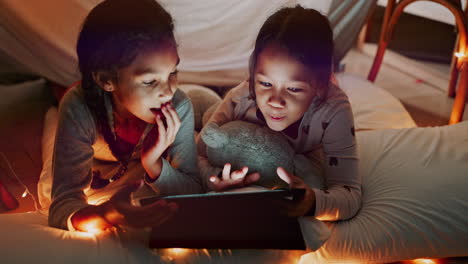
355 203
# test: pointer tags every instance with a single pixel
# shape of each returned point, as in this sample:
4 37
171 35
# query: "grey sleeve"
179 173
342 197
72 160
224 113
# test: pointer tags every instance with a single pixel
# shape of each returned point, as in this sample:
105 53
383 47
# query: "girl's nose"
276 100
165 93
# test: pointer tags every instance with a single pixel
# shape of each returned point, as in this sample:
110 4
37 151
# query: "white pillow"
373 107
415 202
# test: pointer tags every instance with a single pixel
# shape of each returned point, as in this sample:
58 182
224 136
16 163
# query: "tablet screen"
248 220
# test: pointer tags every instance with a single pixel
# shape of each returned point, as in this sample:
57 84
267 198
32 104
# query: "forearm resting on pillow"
339 202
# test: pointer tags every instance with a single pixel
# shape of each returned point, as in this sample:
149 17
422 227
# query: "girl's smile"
276 119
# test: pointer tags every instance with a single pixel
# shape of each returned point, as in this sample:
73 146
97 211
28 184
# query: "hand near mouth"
168 124
158 112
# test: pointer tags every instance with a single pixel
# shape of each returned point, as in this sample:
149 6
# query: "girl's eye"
266 84
174 74
149 83
294 89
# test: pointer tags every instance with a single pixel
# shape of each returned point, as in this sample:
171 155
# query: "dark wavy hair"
306 35
112 36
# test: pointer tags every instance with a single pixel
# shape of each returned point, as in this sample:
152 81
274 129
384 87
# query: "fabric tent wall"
347 19
41 35
213 35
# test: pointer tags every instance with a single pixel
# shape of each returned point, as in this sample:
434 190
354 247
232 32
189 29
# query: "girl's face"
147 83
283 87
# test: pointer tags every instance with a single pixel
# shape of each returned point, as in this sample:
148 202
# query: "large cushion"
415 202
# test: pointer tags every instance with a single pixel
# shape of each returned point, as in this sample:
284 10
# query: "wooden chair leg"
460 99
459 66
377 61
383 42
454 71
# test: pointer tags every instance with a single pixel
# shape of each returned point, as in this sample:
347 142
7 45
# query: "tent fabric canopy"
40 36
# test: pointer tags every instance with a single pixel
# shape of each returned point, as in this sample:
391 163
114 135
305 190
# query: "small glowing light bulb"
24 193
459 55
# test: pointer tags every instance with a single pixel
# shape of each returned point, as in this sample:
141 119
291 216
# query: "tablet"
230 220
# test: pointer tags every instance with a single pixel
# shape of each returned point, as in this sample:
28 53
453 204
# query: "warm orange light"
91 227
293 256
329 216
178 252
422 261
